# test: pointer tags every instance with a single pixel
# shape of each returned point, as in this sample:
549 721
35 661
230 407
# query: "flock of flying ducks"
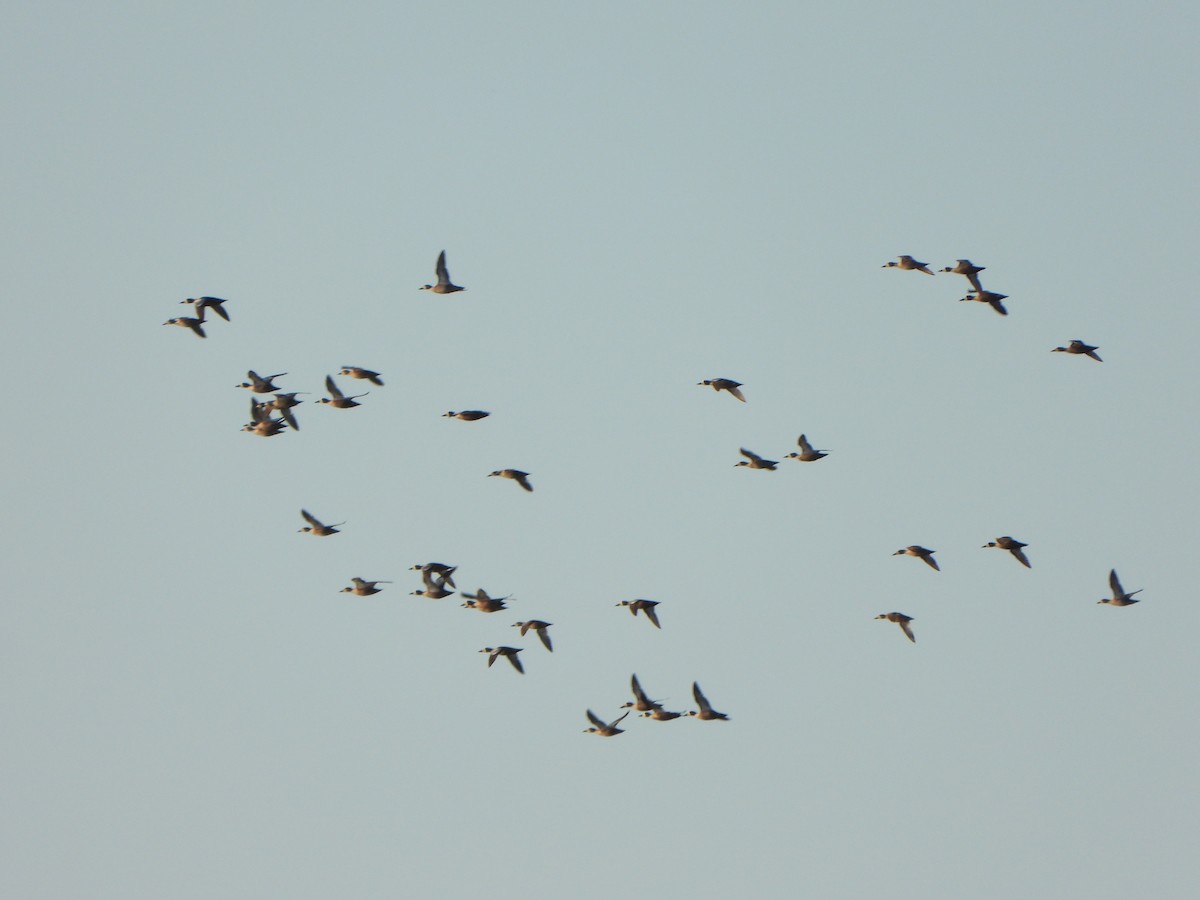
971 271
438 583
269 418
964 267
272 417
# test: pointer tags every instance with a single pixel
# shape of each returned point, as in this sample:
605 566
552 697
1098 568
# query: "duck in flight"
646 606
195 324
1080 348
200 304
807 453
920 553
1013 546
336 398
444 572
969 269
640 701
724 384
444 285
1120 596
495 653
315 527
602 728
754 461
363 588
261 422
258 384
282 404
358 372
482 602
540 627
705 712
521 478
991 298
435 586
907 262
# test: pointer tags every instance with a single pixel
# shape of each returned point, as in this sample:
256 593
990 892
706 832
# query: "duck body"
658 714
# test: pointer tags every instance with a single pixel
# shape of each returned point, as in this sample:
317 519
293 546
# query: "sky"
637 198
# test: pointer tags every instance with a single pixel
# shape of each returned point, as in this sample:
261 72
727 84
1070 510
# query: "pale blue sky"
637 197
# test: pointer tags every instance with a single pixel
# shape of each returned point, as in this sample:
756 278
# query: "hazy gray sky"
637 197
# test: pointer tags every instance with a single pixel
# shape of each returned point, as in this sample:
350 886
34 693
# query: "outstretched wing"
638 693
1115 583
214 303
